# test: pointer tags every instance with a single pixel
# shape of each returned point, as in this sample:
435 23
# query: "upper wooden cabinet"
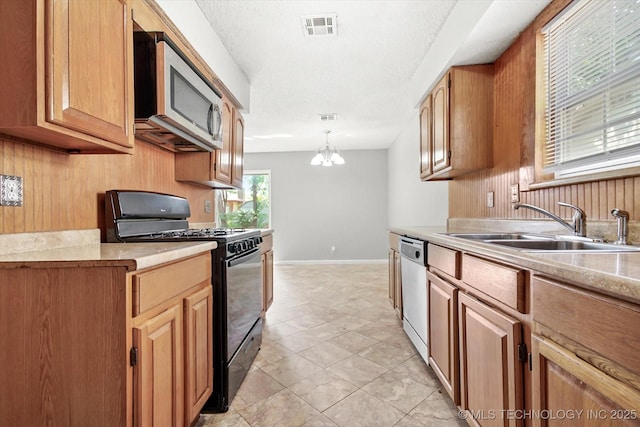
67 77
456 122
222 168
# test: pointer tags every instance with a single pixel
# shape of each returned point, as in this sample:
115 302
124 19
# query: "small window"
592 88
246 208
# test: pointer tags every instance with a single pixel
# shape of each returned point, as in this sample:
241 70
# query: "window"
246 208
592 88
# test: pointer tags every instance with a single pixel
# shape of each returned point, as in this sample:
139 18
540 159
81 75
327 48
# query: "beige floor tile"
279 330
362 409
353 341
398 390
280 410
298 341
325 354
323 389
227 419
257 386
417 369
437 410
357 370
270 351
326 331
291 369
385 354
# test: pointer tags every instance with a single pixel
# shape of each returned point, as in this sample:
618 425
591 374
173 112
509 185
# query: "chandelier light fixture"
327 156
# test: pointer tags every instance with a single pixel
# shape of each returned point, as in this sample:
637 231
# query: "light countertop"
616 274
82 248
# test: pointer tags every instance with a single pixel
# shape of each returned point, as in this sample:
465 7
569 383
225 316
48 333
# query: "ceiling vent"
329 117
320 25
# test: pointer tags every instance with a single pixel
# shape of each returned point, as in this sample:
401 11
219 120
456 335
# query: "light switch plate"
490 199
515 193
207 206
10 190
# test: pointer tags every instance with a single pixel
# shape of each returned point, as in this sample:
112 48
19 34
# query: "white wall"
314 208
188 17
411 201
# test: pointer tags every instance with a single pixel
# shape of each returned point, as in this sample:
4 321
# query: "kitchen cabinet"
172 342
395 275
443 334
585 357
456 122
71 86
426 138
267 272
222 168
103 344
490 371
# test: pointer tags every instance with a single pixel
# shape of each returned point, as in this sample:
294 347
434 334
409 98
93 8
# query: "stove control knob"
231 248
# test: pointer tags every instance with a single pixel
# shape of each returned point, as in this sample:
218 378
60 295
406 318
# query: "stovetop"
195 234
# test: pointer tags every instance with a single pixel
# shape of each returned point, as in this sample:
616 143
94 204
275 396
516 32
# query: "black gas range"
142 216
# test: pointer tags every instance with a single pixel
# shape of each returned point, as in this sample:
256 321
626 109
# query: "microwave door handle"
218 135
210 119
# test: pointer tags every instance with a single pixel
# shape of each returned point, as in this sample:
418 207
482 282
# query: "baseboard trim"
331 261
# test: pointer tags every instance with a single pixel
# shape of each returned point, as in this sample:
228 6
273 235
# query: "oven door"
244 297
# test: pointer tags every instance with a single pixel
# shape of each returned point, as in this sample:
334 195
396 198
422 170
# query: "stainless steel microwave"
175 106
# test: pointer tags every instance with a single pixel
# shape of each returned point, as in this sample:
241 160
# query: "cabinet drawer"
444 259
155 286
505 284
602 325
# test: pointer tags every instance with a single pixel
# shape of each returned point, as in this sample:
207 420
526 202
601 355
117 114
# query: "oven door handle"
242 258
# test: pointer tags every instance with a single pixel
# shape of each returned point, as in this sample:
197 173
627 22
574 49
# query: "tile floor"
334 354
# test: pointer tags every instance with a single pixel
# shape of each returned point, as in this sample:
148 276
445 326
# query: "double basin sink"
544 243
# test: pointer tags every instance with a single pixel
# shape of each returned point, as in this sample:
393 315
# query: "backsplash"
514 115
66 192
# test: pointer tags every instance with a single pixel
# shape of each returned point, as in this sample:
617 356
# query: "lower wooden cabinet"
574 393
198 324
443 334
158 377
267 280
395 275
490 371
172 346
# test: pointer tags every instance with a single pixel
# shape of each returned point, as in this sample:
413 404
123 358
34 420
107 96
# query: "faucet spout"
578 225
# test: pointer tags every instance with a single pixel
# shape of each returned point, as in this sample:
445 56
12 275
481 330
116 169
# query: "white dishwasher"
413 265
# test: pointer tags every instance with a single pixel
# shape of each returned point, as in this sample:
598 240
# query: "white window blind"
592 87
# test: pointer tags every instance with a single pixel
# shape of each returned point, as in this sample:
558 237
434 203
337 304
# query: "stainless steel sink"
564 246
499 236
529 242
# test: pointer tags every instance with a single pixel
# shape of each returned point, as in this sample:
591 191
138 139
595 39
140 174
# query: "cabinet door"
397 303
392 278
267 280
224 156
198 325
443 334
238 149
158 375
426 138
89 68
440 153
490 372
565 384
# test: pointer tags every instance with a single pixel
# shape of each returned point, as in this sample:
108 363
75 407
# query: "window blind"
592 86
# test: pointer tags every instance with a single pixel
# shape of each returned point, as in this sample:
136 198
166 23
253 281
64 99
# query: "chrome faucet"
623 226
578 224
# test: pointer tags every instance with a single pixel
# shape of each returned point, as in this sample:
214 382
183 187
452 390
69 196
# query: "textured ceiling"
364 74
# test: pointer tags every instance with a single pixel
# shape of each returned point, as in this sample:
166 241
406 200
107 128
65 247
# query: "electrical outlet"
10 190
489 199
515 193
207 206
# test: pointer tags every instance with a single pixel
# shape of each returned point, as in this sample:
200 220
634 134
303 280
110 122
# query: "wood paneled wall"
64 192
514 142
